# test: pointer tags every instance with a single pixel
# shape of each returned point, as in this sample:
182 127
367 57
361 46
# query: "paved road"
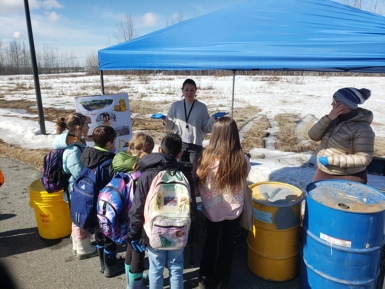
40 263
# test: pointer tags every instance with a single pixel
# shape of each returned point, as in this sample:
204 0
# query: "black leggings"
135 259
103 241
217 254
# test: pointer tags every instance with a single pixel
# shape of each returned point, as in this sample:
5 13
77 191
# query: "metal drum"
273 246
344 231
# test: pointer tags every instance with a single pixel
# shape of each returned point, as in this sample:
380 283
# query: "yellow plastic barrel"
51 212
273 246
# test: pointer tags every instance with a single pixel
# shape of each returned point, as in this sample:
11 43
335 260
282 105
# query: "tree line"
15 57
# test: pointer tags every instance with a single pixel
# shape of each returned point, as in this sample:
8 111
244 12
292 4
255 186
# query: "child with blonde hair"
140 145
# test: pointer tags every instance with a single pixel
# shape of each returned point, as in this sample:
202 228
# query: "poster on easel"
107 109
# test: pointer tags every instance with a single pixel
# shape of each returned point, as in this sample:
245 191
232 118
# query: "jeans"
157 260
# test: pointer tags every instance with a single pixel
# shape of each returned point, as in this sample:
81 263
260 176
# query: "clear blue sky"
85 26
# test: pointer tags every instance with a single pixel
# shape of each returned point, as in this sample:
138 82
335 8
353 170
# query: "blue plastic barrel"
343 233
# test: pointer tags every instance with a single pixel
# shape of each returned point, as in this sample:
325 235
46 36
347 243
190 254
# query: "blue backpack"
114 203
85 195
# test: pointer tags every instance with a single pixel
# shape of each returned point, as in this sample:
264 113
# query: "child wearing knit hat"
347 139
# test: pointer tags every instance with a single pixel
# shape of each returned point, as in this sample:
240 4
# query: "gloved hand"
219 114
158 116
137 246
324 161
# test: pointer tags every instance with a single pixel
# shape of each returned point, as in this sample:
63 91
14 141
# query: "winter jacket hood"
60 142
124 162
156 160
92 157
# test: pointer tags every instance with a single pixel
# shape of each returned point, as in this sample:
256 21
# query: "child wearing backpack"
140 145
153 167
98 159
221 175
71 132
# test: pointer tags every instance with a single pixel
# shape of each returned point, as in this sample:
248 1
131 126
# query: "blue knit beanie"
352 97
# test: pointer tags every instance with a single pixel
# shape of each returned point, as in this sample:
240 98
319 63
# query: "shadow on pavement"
19 241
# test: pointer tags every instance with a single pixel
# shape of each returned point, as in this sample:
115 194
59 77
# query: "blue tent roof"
261 34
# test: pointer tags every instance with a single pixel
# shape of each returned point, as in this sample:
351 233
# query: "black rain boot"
112 265
100 250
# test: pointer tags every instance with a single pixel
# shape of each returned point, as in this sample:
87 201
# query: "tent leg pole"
232 98
39 102
101 81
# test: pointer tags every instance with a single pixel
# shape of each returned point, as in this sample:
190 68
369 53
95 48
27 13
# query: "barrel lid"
276 194
347 196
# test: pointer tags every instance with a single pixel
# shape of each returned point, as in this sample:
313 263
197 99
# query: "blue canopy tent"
317 35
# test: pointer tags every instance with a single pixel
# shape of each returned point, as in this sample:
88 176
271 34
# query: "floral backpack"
167 218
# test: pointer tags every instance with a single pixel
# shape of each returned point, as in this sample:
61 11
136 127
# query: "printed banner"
108 109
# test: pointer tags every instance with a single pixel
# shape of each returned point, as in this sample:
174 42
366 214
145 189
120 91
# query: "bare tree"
178 18
2 57
14 52
126 29
26 64
374 6
92 63
73 60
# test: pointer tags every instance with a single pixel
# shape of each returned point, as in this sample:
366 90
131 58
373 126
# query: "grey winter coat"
349 144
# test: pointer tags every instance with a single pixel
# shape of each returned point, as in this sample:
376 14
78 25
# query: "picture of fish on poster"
108 109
